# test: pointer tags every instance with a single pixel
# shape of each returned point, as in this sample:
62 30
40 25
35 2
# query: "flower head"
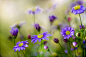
18 24
52 18
75 44
56 40
78 9
45 47
37 27
34 10
69 19
67 32
14 31
82 27
20 45
40 37
29 36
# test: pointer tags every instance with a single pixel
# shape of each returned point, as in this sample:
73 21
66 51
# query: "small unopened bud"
56 40
29 36
82 27
69 19
45 47
75 44
45 42
65 40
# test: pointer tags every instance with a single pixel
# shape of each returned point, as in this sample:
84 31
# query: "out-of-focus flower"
14 31
52 18
78 34
74 37
69 19
45 42
67 32
40 37
54 54
45 47
82 27
66 51
29 36
35 10
37 27
78 9
75 44
18 24
51 7
20 45
65 40
73 48
84 41
56 40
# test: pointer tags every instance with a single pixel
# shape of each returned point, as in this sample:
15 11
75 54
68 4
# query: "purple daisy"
67 32
20 45
14 31
34 10
78 9
40 37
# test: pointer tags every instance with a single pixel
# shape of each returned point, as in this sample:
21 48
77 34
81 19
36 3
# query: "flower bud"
56 40
69 19
82 27
29 36
45 47
65 40
75 44
14 31
45 42
52 18
37 27
84 41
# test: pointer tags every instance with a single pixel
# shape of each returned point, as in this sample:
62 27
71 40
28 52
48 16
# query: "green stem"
24 53
34 18
14 41
50 52
61 46
17 54
80 20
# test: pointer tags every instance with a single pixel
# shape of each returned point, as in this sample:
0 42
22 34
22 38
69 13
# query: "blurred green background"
14 10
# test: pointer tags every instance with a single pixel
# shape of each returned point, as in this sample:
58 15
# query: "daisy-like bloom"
14 31
34 10
20 45
40 37
78 9
67 32
18 24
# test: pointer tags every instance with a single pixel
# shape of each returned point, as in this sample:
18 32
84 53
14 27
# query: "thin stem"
50 52
14 41
17 54
24 53
34 18
61 46
69 24
80 20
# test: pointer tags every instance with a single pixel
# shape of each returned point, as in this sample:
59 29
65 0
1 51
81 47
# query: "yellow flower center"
77 7
67 32
33 9
40 36
21 44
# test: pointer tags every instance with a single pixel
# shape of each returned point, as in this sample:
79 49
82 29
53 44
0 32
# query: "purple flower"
20 45
78 9
34 10
75 44
45 47
66 51
14 31
52 18
40 37
81 27
67 32
79 2
84 41
45 42
56 40
37 26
